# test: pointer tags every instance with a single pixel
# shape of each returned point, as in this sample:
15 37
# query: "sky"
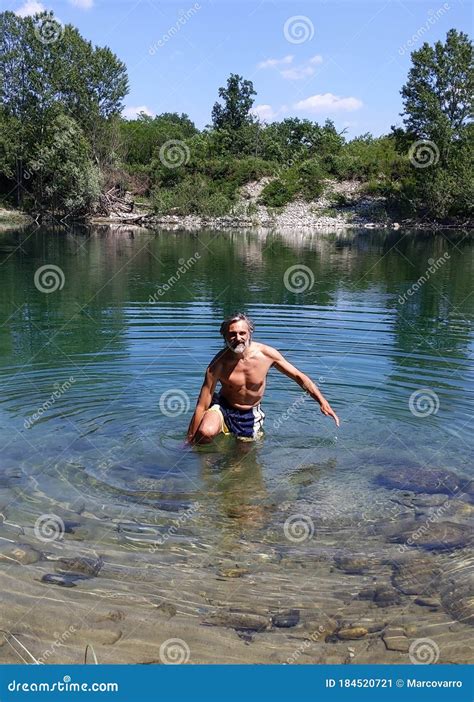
343 60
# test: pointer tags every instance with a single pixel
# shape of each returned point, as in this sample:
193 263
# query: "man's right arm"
204 401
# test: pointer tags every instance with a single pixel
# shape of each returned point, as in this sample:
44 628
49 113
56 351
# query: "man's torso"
243 380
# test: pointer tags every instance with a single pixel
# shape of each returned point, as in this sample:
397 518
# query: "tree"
238 101
438 96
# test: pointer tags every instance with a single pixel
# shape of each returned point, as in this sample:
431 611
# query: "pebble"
22 554
236 572
352 565
395 639
433 602
354 632
56 579
239 620
80 565
286 620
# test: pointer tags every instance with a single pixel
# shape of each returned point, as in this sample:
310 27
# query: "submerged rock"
457 591
426 480
80 565
286 620
19 553
352 633
61 580
436 536
353 565
417 577
395 639
382 595
239 620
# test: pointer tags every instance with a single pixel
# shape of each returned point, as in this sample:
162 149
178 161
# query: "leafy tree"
238 101
438 96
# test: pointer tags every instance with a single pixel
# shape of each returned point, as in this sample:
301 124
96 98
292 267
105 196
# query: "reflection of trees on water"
108 270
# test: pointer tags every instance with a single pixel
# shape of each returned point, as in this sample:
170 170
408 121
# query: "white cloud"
265 113
297 72
273 63
316 59
328 103
83 4
133 112
29 8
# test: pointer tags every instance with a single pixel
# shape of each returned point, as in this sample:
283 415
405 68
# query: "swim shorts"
246 424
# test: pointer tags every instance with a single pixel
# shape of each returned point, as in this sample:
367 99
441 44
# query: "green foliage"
238 101
191 196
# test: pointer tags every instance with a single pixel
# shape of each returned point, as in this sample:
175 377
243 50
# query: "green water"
100 376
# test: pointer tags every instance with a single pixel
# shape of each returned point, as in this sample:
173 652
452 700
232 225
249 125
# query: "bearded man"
241 368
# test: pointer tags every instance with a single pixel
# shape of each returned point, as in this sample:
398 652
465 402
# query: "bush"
279 192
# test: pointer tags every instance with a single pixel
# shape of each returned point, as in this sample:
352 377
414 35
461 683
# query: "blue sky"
325 58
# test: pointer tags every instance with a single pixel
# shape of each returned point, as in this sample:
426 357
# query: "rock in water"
426 480
457 591
239 620
353 565
286 620
436 536
19 553
352 633
80 565
417 577
61 580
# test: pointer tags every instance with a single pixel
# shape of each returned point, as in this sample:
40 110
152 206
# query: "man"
242 369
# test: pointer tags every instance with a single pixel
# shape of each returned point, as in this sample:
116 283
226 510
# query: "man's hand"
329 412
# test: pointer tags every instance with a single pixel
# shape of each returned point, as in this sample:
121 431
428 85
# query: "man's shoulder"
267 350
218 360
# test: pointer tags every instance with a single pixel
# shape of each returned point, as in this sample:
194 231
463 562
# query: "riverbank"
342 206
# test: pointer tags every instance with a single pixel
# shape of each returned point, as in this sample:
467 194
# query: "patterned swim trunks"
245 424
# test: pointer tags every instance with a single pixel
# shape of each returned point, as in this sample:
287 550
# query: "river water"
312 545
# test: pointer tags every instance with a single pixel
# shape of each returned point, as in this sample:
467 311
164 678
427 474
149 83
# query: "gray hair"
237 317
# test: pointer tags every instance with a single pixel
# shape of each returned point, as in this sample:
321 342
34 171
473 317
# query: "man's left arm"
285 367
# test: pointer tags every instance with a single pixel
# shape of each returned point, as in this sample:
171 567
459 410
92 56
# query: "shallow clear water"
99 380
